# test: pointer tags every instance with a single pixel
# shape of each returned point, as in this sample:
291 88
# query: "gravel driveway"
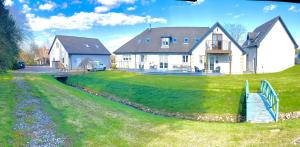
37 126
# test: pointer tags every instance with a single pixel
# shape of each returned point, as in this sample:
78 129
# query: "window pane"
166 65
161 65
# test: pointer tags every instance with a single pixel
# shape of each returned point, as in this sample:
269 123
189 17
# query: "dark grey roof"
261 32
149 41
226 33
81 45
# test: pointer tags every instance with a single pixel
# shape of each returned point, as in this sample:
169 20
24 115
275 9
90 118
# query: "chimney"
149 29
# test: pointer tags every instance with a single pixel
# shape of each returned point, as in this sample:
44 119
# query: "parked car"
19 65
95 66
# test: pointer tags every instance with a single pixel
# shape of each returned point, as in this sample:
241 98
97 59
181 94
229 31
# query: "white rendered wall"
238 59
276 52
58 53
150 59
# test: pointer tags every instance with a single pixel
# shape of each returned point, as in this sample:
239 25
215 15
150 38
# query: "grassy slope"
7 103
98 121
212 94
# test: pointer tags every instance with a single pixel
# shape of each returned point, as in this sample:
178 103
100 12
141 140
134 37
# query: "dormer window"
86 45
165 42
186 40
147 40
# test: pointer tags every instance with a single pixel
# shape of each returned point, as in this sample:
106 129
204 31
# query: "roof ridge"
176 27
74 36
267 22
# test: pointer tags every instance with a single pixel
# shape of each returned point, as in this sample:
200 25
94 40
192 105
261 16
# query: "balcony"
218 47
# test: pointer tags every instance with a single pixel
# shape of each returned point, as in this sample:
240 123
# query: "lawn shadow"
241 117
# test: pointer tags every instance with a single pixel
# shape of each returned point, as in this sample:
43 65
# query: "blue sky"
114 22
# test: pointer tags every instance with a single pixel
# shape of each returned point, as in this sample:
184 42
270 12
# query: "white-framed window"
185 58
63 60
163 62
126 57
165 42
186 40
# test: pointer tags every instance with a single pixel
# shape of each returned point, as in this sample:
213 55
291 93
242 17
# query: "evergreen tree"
10 37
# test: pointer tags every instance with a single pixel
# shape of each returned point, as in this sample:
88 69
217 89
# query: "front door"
141 66
211 62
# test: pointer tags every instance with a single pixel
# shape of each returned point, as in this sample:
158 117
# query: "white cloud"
107 5
198 2
8 3
86 20
270 8
29 15
22 1
116 42
101 9
150 19
26 8
131 8
235 16
238 15
294 9
47 6
115 3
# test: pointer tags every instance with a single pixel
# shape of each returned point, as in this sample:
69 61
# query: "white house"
270 47
71 51
183 48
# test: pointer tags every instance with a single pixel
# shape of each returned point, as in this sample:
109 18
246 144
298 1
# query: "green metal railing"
271 97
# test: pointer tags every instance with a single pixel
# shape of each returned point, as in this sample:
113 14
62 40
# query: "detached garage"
70 51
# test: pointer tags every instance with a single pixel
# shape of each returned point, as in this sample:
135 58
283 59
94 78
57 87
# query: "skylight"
186 40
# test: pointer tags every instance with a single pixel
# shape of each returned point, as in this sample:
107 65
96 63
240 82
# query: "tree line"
10 38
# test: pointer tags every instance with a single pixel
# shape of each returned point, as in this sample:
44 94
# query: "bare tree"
237 31
41 56
84 63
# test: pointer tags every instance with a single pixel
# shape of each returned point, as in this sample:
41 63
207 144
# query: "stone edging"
289 115
195 116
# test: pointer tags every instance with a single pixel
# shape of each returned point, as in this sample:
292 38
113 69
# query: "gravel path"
31 120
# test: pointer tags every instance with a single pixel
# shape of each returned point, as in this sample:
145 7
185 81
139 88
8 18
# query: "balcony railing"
222 46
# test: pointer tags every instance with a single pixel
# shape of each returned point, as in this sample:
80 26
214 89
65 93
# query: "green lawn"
95 121
7 103
188 94
87 120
